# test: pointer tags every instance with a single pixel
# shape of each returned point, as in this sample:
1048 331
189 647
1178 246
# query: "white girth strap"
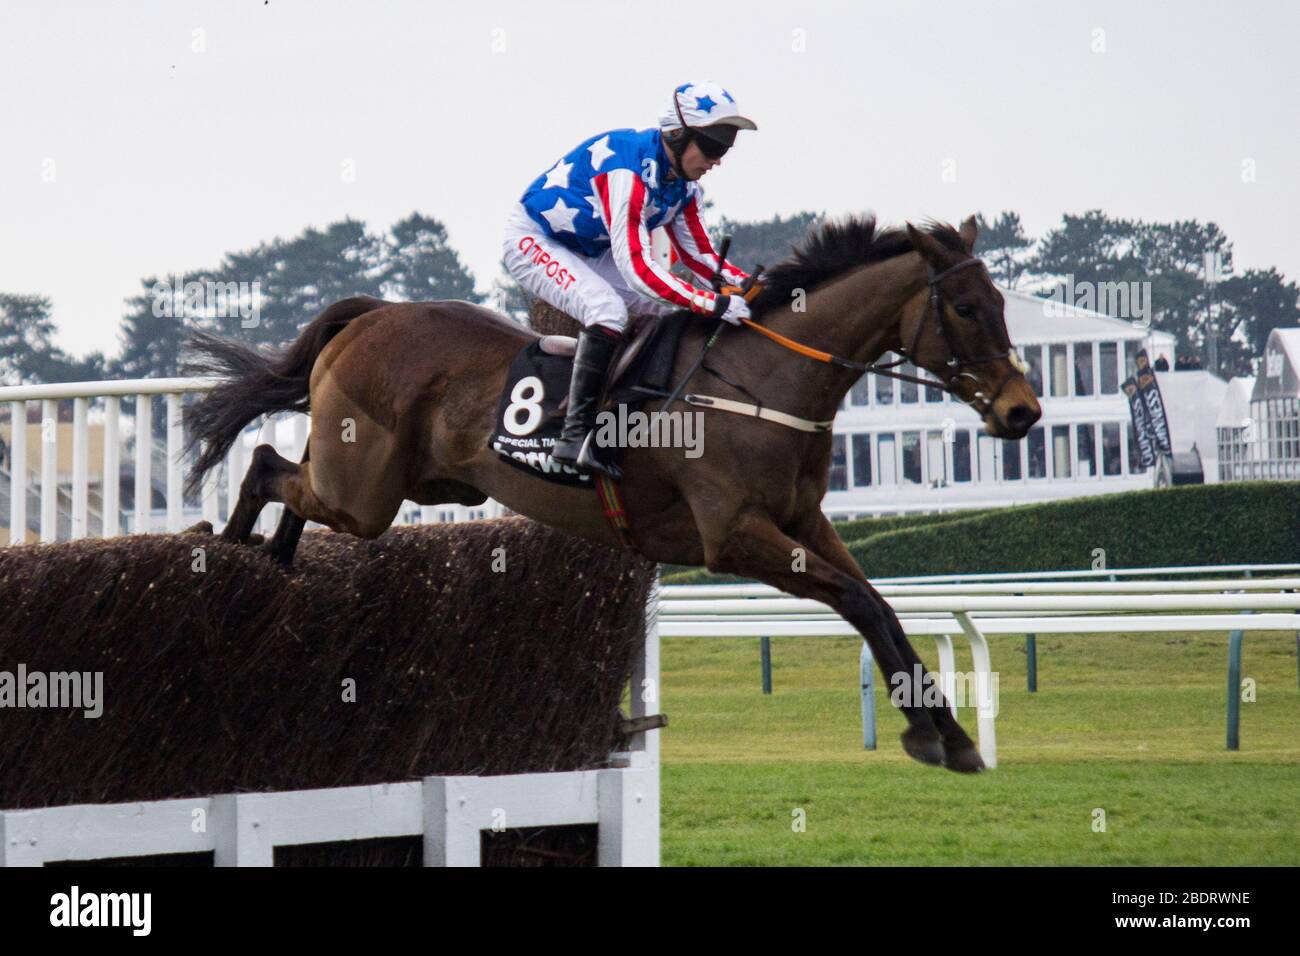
754 411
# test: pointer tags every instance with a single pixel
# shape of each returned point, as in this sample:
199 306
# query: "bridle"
958 364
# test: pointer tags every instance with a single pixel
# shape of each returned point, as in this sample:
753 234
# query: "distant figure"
1162 364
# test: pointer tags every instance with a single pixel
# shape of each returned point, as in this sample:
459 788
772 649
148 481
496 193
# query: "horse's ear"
968 232
930 248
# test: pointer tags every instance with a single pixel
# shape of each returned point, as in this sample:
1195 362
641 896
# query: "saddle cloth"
530 414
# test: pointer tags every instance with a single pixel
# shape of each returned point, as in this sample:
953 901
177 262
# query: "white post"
299 436
450 836
979 650
627 825
211 506
143 462
239 837
645 677
49 470
18 472
174 463
112 466
234 474
79 468
947 670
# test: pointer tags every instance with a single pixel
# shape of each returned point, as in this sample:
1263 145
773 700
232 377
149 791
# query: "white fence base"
448 812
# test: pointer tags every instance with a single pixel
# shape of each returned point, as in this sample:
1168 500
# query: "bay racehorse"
403 398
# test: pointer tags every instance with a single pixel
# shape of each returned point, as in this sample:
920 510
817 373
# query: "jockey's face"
695 164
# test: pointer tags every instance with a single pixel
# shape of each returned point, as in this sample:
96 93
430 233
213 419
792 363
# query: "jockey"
579 238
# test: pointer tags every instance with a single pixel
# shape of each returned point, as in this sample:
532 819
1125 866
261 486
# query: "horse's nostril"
1021 417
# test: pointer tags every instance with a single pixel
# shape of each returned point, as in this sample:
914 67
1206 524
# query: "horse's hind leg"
284 542
256 491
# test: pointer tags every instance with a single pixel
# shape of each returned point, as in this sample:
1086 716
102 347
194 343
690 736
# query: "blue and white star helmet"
705 104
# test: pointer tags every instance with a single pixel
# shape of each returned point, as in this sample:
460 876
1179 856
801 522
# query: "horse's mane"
836 246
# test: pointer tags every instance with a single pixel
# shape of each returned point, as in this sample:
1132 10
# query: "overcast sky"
165 157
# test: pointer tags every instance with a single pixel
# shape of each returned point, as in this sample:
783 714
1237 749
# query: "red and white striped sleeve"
622 197
691 241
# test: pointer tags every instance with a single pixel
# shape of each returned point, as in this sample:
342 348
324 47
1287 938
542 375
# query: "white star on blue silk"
597 212
560 217
559 175
651 210
600 152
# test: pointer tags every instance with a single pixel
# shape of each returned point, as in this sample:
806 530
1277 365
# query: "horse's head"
957 332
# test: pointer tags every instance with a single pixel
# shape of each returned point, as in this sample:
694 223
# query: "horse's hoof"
199 527
965 759
924 746
256 539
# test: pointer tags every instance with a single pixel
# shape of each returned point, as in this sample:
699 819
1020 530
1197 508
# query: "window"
1060 372
1131 349
887 460
1033 356
1082 368
961 455
1010 460
1060 451
1036 445
1110 450
986 454
1085 446
912 457
933 393
936 471
884 384
861 461
839 465
860 393
1109 352
908 390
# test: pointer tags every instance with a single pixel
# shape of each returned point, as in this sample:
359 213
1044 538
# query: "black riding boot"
590 364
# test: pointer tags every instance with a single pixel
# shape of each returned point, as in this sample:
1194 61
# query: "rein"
957 362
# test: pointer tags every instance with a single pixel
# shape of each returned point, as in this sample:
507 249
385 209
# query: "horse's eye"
965 311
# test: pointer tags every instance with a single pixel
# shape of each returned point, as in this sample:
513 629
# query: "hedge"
1237 523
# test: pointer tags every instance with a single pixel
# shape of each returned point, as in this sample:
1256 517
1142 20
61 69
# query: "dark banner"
1141 424
1149 390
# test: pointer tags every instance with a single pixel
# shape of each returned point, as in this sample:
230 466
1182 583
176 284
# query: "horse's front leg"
960 752
750 544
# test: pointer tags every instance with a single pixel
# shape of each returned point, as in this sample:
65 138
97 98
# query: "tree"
1168 260
1253 304
150 341
419 265
1002 244
766 241
27 350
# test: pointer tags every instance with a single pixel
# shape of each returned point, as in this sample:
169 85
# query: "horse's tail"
255 382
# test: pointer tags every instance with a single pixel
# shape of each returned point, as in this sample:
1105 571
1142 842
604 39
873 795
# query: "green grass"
1130 724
